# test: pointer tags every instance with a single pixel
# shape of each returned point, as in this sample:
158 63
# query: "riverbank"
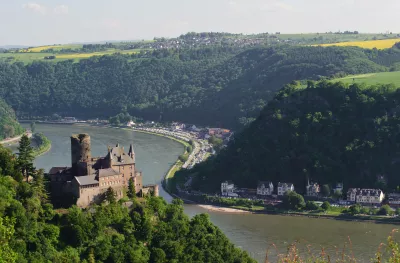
223 209
43 144
174 168
15 139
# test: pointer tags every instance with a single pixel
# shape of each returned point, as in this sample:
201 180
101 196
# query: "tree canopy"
330 133
208 86
149 231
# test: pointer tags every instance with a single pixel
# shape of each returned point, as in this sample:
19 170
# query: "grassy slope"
374 78
31 56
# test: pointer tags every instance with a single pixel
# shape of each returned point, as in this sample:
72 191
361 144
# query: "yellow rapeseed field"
379 44
39 49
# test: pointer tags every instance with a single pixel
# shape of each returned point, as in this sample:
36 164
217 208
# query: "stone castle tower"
80 153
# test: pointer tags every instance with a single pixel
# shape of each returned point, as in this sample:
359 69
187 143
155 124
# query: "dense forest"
9 126
208 86
149 231
325 132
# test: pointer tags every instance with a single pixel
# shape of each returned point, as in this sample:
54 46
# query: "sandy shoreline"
223 209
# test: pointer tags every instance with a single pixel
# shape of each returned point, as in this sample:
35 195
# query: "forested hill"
9 126
327 133
212 86
150 231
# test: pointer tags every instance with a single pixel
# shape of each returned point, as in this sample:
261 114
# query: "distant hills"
216 86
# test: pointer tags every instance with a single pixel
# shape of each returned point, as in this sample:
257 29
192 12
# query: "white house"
228 189
265 188
284 187
130 124
312 189
365 196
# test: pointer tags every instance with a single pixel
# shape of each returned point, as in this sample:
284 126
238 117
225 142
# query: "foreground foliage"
149 231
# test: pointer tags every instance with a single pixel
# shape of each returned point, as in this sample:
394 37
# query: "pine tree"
25 157
110 196
38 185
131 189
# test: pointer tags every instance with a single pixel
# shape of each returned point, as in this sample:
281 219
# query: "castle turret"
80 151
131 152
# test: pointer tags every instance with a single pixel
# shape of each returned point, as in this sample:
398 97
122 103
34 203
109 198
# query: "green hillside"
208 86
327 133
9 126
373 78
149 231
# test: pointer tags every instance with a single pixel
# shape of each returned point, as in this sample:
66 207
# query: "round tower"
80 149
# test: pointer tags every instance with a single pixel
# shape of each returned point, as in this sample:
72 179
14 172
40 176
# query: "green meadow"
373 78
27 57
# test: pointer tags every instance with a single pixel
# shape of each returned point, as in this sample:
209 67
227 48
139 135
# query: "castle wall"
95 195
138 181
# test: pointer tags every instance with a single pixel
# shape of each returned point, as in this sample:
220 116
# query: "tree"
398 211
7 255
355 209
110 196
293 200
311 206
157 256
326 205
385 210
337 194
183 158
8 131
33 127
326 190
25 157
131 189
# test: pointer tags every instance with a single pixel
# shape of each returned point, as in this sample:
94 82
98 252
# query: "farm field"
28 57
379 44
55 47
373 78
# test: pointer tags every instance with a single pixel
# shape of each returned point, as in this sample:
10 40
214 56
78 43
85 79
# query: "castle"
89 177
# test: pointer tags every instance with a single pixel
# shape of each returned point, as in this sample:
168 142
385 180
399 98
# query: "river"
251 232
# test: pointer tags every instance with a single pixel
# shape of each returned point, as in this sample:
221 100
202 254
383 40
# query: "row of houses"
354 195
229 189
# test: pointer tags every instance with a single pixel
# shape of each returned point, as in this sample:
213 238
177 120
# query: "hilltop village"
88 178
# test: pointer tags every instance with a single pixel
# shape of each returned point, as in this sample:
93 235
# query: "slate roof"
118 156
107 172
285 185
86 180
265 183
365 192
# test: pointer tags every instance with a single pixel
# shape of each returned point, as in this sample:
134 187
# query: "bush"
326 206
312 206
183 158
385 210
355 209
293 200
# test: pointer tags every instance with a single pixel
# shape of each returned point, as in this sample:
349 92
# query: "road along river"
253 233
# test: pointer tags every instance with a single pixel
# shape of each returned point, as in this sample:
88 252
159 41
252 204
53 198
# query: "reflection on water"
254 233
